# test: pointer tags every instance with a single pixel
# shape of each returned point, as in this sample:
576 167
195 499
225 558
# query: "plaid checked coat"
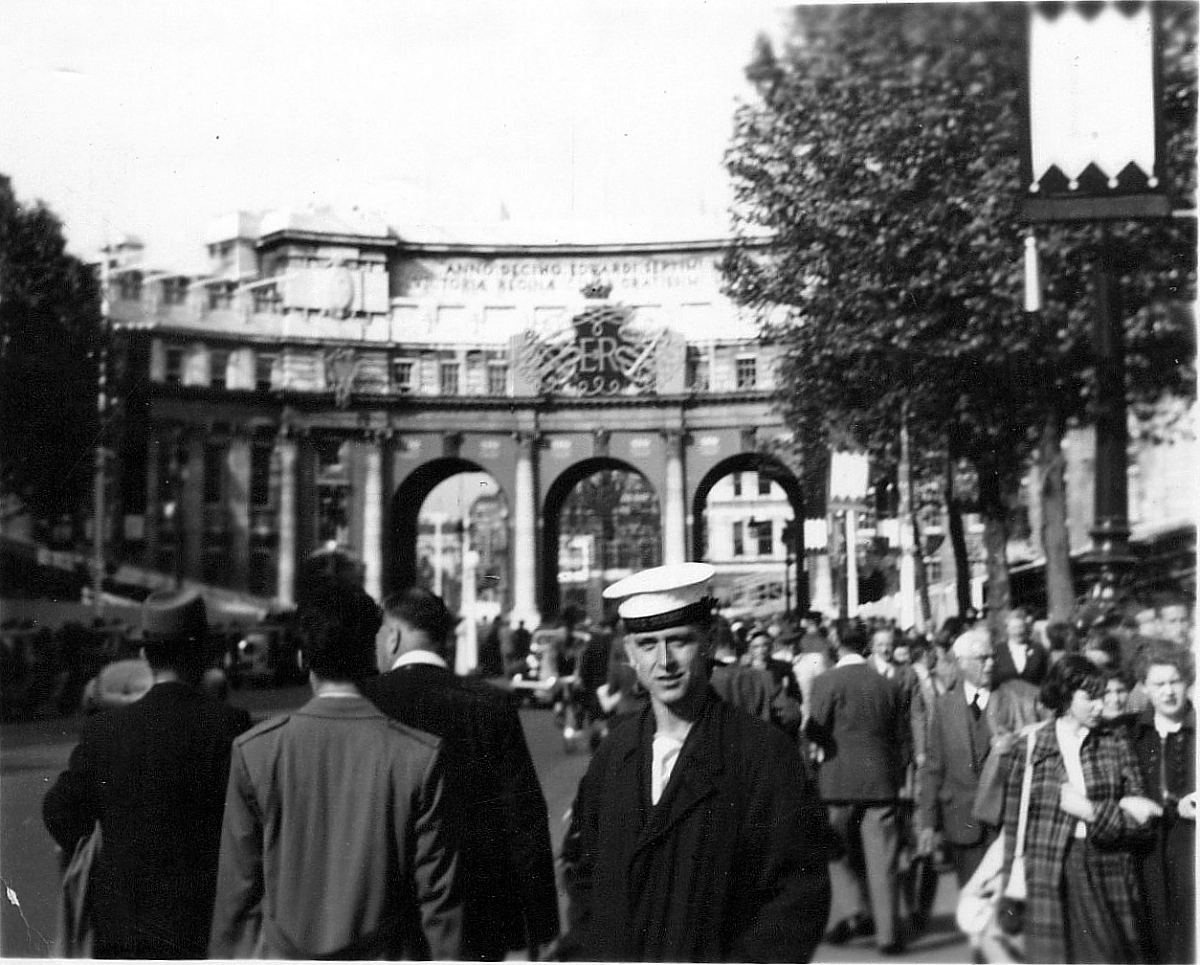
1111 772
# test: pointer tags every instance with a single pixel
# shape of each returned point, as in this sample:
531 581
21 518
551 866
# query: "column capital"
678 437
532 440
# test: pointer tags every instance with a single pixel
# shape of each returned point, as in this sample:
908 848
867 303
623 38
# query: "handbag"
74 935
1010 915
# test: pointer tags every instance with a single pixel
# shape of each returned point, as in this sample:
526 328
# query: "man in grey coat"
335 842
959 743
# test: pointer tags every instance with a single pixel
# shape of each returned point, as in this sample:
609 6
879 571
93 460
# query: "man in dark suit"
1019 656
860 726
153 774
959 740
507 864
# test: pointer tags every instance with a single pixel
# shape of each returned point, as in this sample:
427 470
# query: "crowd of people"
740 770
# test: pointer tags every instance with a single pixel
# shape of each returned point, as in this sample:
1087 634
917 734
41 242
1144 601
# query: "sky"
151 118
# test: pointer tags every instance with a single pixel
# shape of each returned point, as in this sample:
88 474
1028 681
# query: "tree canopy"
882 157
50 328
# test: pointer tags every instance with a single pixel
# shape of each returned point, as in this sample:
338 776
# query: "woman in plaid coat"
1087 813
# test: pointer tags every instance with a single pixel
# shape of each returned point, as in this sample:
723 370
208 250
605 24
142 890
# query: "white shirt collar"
971 690
1165 726
850 660
426 657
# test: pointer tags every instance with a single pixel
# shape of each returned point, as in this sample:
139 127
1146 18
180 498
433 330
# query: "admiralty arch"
323 375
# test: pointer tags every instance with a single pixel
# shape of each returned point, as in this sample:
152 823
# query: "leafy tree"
50 328
883 159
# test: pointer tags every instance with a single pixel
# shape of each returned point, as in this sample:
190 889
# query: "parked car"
267 654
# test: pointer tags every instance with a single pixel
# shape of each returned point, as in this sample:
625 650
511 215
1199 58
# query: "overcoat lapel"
693 779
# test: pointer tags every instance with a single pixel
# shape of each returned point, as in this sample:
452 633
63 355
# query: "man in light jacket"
335 842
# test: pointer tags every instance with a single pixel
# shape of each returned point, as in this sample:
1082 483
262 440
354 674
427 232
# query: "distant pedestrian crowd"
740 770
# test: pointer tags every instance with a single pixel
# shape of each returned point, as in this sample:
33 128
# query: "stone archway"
549 596
400 549
778 472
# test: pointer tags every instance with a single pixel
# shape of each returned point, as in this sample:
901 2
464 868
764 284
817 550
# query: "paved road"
33 753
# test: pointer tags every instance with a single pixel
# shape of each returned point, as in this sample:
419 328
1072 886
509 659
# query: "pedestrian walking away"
859 722
153 774
700 836
336 841
510 900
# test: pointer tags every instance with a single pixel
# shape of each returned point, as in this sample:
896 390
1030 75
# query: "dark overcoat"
1168 871
731 865
507 866
860 720
153 774
1110 772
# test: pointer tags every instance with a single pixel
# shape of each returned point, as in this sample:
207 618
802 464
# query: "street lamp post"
1093 155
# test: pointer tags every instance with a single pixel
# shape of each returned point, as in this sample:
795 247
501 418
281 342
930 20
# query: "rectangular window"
220 296
764 485
214 468
448 378
764 535
402 376
266 299
129 286
264 370
173 369
747 372
497 379
697 374
739 548
737 483
218 368
174 291
260 474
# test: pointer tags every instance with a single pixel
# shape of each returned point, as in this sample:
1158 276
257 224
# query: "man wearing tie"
1020 657
958 745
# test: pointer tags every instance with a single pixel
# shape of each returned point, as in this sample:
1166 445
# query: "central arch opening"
601 521
450 533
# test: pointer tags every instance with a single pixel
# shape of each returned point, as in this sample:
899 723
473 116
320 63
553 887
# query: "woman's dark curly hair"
1071 673
338 622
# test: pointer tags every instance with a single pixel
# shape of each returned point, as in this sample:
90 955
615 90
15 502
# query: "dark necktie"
976 710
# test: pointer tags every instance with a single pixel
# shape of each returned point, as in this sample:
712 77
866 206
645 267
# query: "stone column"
674 517
191 487
372 541
524 548
285 580
851 562
237 502
823 599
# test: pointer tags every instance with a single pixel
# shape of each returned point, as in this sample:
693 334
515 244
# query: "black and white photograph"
598 481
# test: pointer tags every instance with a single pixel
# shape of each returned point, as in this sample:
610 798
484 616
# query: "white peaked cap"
663 595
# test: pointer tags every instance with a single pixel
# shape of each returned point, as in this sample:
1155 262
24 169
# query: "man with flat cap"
153 775
701 837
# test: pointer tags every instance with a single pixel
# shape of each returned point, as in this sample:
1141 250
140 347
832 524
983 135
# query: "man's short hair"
423 610
338 622
1166 652
854 638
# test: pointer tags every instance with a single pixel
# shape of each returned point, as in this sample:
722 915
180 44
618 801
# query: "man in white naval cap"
700 836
